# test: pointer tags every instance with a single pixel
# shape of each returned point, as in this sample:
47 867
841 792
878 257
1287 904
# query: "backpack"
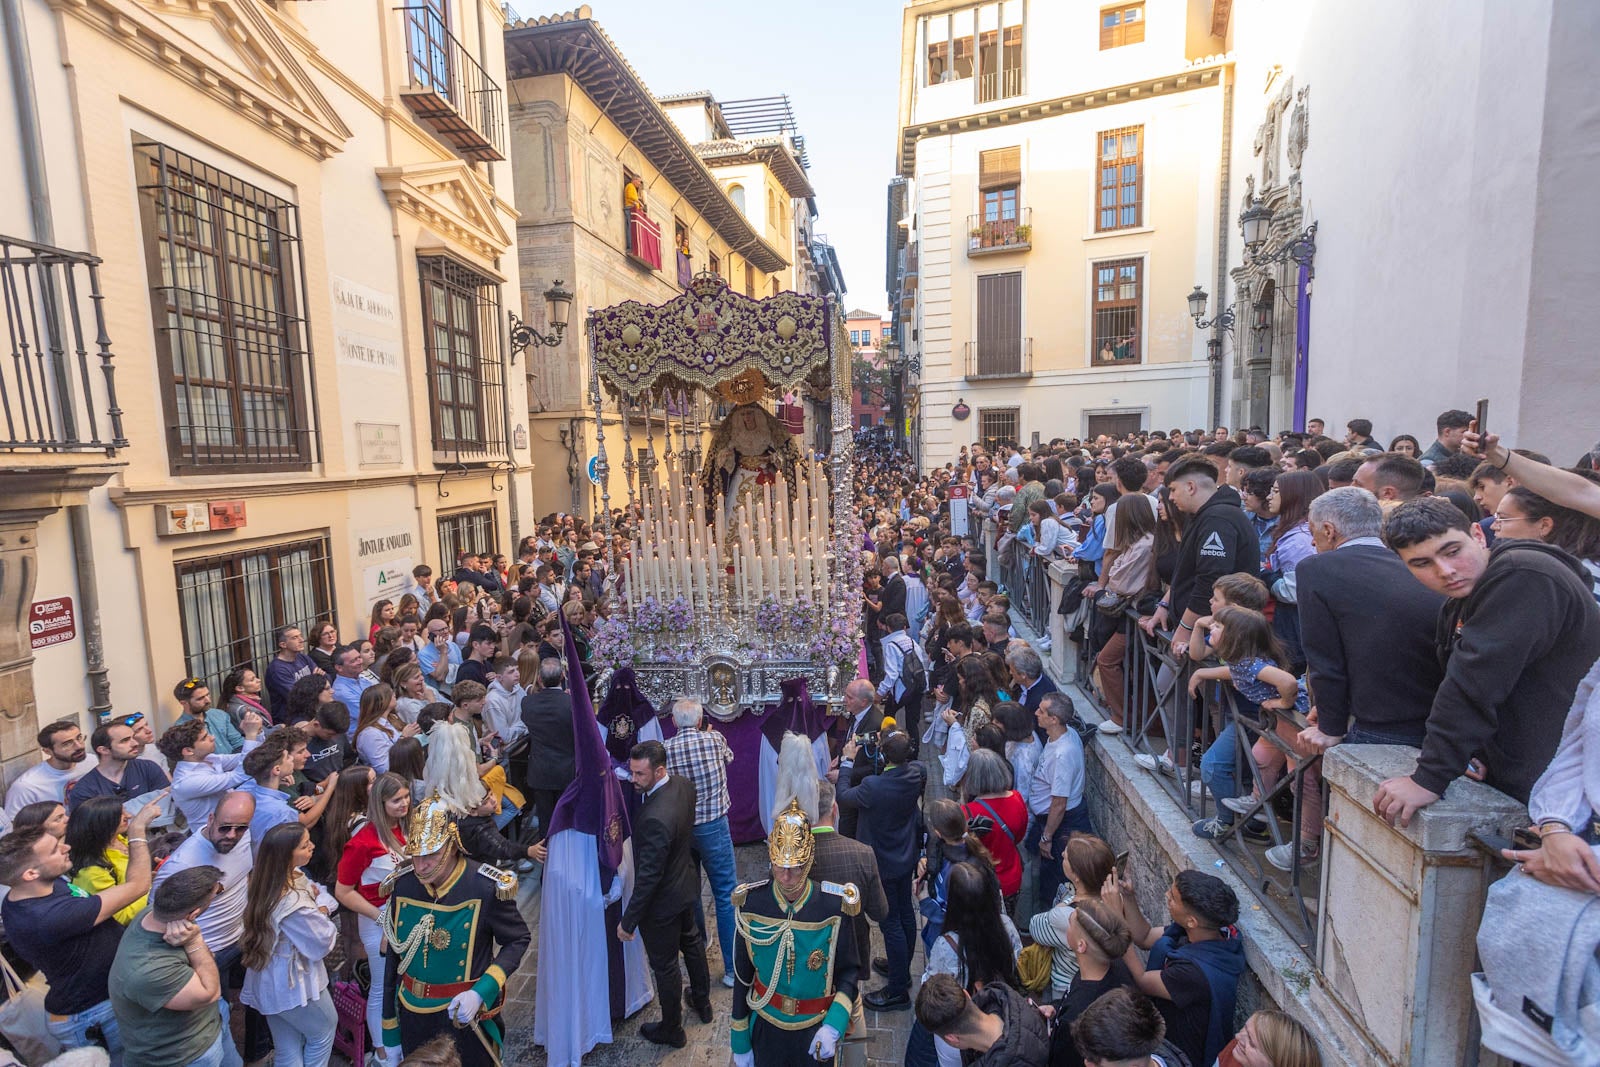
913 669
1549 1015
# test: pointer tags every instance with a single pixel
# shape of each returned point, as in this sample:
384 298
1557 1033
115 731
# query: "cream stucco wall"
334 70
1450 174
1182 161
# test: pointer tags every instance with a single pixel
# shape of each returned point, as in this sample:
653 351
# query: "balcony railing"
685 270
449 91
1004 357
644 239
985 235
999 84
57 385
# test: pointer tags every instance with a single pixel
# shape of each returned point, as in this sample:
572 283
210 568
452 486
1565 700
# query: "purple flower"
648 616
769 616
680 616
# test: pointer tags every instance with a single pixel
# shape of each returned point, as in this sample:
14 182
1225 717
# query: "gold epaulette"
386 887
849 896
505 882
742 891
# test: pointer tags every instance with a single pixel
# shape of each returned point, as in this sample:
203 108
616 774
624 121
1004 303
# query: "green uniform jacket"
787 954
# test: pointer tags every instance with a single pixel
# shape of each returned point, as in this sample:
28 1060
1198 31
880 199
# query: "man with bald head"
224 843
863 716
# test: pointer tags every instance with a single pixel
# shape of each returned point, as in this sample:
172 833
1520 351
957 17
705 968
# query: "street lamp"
557 306
1254 222
1214 350
1262 319
1197 311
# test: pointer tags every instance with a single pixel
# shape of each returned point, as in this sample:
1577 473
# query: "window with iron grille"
229 605
998 424
1120 25
1118 308
461 320
227 279
467 531
1121 168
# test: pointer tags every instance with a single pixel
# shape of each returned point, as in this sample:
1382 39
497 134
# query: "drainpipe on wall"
1223 229
44 232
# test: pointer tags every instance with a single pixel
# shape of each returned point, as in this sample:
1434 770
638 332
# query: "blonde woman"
1273 1039
412 692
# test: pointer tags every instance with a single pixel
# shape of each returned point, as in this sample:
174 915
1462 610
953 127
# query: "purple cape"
593 803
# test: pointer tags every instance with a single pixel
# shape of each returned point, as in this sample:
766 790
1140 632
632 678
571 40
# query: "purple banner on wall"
1302 343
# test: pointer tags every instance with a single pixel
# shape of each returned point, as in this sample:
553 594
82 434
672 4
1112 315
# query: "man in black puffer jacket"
1217 540
995 1027
1519 632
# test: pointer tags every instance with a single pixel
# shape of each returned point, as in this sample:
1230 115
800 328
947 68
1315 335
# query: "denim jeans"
221 1053
713 847
899 933
1051 875
73 1030
303 1036
1358 736
1219 770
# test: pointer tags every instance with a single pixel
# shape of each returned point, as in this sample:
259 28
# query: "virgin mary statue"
748 451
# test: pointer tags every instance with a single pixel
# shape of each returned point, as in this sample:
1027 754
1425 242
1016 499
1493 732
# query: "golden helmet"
432 827
790 844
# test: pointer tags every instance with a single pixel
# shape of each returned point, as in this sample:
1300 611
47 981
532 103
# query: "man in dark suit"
891 823
841 860
547 715
1027 674
1368 633
892 596
665 889
861 716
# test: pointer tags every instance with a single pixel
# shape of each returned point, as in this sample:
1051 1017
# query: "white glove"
823 1045
391 1055
464 1007
616 890
744 1059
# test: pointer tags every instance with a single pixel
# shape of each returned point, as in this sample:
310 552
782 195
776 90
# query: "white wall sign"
353 298
387 581
380 444
364 350
371 543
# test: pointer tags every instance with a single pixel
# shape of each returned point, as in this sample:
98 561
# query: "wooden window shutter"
1000 167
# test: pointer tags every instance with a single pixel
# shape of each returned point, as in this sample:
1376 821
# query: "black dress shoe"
655 1033
883 1000
880 965
702 1008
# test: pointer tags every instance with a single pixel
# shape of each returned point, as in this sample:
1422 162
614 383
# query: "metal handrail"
51 399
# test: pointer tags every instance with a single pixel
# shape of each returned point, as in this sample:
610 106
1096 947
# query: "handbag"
1033 968
23 1019
1006 550
1110 602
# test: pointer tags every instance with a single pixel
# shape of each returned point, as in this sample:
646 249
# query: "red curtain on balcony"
793 417
644 238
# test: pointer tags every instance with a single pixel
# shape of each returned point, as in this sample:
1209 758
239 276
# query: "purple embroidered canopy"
711 335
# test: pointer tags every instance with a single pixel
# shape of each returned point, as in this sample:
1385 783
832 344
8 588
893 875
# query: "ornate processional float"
745 563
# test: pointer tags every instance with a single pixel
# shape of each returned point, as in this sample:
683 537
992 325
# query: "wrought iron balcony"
57 385
985 235
449 91
1000 357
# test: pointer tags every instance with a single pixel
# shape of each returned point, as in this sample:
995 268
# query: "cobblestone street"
708 1045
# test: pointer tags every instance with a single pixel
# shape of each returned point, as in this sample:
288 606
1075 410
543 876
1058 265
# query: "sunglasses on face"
233 829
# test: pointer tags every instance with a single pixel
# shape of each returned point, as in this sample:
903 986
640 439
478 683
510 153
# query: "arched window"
772 209
736 194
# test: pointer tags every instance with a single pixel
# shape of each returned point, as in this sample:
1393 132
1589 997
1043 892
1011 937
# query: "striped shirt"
702 756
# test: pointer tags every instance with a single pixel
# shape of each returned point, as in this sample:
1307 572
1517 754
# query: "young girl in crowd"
346 810
1087 862
98 845
378 727
50 814
978 944
371 856
1271 1039
1290 500
383 614
948 844
1253 658
286 934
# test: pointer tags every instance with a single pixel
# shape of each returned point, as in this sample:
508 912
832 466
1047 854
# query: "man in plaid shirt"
699 753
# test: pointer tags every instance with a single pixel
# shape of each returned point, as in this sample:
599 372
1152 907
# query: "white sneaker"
1163 764
1240 804
1282 856
727 979
1108 727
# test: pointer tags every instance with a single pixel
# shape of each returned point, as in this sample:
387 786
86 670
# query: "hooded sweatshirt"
1513 652
1026 1040
1217 540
